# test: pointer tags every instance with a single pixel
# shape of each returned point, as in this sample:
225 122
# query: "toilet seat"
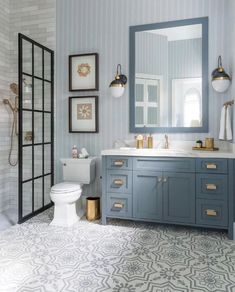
65 187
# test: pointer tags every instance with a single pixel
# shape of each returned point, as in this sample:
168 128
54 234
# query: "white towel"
225 125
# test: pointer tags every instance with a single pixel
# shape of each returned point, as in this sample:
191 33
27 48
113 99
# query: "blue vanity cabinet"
147 195
179 197
191 191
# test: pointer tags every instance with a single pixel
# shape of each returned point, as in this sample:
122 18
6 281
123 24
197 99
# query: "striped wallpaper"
103 27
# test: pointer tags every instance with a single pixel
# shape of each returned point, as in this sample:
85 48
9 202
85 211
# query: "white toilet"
67 195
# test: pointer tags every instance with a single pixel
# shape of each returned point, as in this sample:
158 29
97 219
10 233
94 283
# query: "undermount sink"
156 151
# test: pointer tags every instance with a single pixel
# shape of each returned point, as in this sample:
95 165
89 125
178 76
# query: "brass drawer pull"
211 166
118 182
118 205
211 187
118 163
211 212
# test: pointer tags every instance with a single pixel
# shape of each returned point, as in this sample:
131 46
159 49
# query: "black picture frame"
72 72
95 119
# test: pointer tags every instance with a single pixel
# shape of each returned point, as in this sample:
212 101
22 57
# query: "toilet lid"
65 187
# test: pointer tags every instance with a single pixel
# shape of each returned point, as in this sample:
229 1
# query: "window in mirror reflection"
147 100
186 102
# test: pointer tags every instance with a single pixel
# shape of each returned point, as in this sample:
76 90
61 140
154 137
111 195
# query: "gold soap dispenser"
139 142
150 141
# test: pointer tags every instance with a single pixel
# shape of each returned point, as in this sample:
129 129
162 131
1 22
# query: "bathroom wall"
230 44
37 20
103 26
152 58
4 113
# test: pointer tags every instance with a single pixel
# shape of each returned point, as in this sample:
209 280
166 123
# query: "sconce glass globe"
220 85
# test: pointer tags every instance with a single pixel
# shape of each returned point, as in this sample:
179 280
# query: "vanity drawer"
164 164
119 205
211 186
212 213
118 162
212 165
119 181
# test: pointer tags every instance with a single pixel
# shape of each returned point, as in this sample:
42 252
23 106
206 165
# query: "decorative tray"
205 149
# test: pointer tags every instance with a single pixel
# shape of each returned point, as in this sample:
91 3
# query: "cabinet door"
147 195
179 197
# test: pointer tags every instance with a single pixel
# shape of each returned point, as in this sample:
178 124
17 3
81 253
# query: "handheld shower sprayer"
14 109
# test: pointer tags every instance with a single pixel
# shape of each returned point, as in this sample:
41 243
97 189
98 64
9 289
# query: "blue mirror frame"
205 84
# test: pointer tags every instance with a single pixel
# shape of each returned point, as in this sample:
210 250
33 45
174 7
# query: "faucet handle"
166 142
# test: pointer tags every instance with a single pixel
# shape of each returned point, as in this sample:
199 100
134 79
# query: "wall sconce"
220 79
117 86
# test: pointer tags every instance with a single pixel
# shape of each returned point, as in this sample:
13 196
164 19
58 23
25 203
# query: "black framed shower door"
36 127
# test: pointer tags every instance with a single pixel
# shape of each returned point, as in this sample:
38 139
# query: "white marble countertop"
168 153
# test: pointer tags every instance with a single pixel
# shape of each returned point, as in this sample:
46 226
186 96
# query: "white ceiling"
180 32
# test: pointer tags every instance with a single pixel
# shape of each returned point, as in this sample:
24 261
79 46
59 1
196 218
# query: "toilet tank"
79 170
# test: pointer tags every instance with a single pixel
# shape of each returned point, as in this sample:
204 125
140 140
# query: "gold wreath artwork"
84 69
84 111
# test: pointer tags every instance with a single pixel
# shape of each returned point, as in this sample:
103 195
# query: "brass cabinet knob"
118 182
211 166
118 205
211 186
211 212
118 162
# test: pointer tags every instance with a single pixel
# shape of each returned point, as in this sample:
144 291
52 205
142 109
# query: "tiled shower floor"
120 257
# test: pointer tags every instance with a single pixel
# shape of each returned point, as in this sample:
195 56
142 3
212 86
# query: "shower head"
14 88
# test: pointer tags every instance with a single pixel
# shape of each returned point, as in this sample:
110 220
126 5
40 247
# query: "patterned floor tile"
123 256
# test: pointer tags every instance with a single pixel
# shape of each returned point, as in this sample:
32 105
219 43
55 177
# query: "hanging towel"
225 125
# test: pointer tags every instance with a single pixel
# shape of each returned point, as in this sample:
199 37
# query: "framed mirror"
169 77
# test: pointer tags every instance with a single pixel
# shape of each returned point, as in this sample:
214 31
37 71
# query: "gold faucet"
166 142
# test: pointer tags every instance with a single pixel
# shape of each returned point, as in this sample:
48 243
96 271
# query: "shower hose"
13 130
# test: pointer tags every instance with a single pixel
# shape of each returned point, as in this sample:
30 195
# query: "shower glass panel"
27 92
36 89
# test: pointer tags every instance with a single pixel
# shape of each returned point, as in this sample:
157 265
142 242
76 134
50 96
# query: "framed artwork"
84 72
83 114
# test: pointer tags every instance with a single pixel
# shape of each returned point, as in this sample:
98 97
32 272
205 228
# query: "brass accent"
28 136
221 78
117 85
205 149
150 141
211 166
211 212
118 205
118 182
211 187
118 163
139 144
92 208
209 143
227 103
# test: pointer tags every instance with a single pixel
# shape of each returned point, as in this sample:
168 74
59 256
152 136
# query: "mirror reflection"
168 77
